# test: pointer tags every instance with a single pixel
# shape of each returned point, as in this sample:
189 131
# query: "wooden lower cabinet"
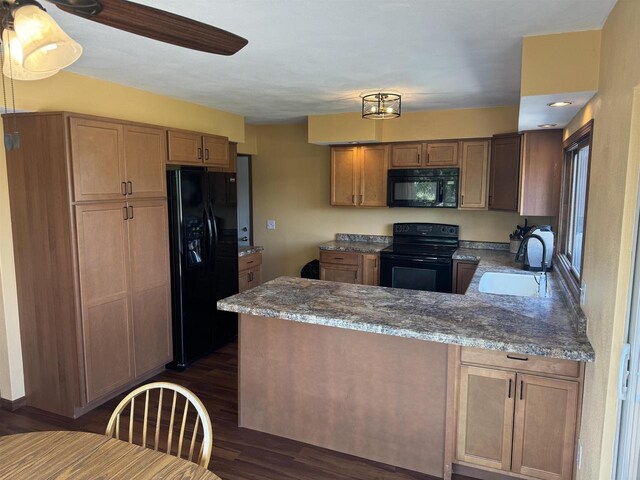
485 417
249 271
514 422
544 427
463 273
350 267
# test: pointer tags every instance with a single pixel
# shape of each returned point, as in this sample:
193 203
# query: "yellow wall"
76 93
612 213
250 144
291 186
564 62
429 125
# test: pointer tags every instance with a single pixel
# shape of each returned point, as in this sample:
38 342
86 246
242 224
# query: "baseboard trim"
12 405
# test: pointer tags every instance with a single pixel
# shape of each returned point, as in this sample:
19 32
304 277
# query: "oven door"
416 273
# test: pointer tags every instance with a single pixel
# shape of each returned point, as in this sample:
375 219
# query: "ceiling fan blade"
156 24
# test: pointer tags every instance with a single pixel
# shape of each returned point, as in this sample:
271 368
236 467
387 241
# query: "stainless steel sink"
520 285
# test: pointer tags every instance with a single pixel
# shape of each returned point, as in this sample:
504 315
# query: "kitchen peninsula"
378 372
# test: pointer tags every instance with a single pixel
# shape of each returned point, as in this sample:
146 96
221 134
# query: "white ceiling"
309 57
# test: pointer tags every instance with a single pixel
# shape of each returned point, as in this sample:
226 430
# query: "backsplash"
355 237
484 245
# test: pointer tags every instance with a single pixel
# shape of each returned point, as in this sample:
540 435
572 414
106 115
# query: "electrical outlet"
271 224
583 293
579 456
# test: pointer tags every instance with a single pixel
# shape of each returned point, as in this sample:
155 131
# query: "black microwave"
423 187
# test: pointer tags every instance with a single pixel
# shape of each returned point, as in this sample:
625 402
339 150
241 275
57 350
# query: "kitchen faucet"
543 274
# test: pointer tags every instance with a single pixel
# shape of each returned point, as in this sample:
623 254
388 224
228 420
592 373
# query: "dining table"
82 455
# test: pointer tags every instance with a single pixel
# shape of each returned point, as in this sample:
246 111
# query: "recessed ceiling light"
562 103
548 125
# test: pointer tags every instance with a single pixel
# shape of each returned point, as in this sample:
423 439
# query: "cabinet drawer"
342 258
520 362
249 261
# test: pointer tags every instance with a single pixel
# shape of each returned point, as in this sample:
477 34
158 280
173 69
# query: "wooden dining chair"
157 408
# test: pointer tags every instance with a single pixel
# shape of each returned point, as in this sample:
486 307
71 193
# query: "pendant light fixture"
381 105
34 44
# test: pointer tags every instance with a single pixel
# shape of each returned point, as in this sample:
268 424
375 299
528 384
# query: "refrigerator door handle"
215 224
209 233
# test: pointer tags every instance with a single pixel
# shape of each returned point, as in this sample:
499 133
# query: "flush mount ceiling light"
34 45
562 103
548 125
381 105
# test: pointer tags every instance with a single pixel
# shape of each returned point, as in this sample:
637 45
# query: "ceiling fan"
156 24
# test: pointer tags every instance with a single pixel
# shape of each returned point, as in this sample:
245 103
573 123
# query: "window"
573 211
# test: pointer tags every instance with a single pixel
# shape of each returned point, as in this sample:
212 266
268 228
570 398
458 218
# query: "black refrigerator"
203 230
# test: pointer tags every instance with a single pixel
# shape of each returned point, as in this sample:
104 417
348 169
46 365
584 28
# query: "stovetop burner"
423 240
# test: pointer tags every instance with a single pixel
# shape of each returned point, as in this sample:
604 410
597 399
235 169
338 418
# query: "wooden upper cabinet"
233 158
216 151
474 175
406 155
185 147
504 173
485 417
374 165
442 154
344 176
145 158
541 173
149 281
544 429
97 159
359 176
103 258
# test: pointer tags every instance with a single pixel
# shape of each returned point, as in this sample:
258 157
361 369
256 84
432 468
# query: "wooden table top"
81 455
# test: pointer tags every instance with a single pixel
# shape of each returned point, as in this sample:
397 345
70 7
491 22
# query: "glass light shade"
381 106
12 67
45 45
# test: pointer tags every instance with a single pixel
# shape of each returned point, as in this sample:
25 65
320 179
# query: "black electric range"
420 258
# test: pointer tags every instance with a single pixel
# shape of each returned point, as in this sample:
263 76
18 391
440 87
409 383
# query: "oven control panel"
425 229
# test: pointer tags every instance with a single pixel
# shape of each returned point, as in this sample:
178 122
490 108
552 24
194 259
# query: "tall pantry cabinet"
89 217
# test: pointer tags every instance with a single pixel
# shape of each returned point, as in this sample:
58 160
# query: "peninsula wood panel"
374 396
150 287
474 175
39 175
344 176
97 152
485 417
544 431
103 257
505 173
374 163
145 152
442 154
463 273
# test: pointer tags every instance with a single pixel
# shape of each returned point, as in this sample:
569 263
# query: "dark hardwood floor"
238 454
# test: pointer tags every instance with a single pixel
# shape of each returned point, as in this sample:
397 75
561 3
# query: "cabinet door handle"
125 213
199 153
462 199
353 199
509 395
251 276
206 154
521 389
129 188
249 262
123 188
522 359
130 212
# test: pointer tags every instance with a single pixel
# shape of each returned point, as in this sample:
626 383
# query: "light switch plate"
271 224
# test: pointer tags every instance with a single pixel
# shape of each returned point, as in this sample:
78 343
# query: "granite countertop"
531 326
244 251
348 242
